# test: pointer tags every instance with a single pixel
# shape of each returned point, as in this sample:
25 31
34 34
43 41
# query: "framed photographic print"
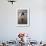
22 17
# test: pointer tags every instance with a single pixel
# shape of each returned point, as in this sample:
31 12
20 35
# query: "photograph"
23 17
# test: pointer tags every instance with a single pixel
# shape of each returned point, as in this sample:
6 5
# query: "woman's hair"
22 13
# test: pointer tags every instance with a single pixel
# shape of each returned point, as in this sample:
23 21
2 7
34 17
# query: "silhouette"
22 19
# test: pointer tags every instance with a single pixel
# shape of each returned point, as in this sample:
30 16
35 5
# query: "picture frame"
22 17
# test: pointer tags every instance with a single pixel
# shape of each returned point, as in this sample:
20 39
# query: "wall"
37 28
